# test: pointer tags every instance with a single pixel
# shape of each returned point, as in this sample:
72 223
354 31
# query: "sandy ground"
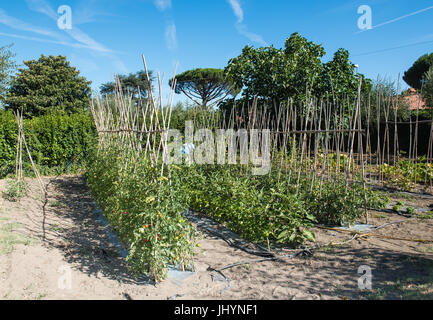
77 248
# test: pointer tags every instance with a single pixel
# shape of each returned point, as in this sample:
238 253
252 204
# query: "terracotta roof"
414 100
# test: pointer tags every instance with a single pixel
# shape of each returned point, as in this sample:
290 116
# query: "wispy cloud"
170 36
84 11
37 39
241 27
170 26
87 11
41 6
75 33
163 4
81 39
398 19
237 10
17 24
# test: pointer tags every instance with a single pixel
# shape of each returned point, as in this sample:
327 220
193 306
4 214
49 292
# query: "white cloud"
170 36
87 11
83 38
43 7
163 4
64 43
237 10
241 27
17 24
76 34
170 26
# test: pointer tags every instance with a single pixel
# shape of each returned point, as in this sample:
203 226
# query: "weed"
56 204
41 296
16 189
402 195
380 216
425 216
425 250
9 238
396 208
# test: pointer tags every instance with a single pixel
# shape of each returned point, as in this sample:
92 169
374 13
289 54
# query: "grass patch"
401 196
16 189
9 238
56 228
425 216
425 250
55 204
381 216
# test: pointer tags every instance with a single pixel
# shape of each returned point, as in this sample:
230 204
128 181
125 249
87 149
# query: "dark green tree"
206 87
7 67
277 74
49 83
136 84
414 75
428 87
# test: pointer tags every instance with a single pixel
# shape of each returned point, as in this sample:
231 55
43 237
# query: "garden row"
146 208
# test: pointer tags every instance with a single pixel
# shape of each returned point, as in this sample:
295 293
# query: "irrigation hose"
356 235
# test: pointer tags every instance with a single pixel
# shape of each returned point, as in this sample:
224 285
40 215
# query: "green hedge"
55 140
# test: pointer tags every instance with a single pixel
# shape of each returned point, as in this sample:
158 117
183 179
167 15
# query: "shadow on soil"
86 245
394 276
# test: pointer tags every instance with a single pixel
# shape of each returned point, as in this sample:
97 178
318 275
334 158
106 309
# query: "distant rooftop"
414 100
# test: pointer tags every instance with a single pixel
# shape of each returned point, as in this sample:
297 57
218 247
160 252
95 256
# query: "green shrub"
335 203
55 140
8 143
376 199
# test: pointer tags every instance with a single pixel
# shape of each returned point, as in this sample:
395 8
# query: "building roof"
414 100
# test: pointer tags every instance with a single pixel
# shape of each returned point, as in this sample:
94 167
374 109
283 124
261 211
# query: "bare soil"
40 239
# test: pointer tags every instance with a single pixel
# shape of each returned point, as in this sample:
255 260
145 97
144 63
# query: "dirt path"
77 244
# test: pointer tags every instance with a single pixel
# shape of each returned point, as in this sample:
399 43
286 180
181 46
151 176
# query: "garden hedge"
55 140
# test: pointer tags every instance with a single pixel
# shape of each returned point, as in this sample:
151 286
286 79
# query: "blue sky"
109 37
